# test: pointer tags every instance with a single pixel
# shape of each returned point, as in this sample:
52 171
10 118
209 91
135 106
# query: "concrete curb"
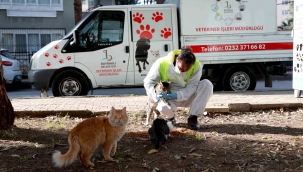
231 107
247 107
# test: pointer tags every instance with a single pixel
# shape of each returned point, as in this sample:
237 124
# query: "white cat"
155 53
44 93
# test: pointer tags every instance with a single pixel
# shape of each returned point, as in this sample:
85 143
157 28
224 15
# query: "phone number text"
241 47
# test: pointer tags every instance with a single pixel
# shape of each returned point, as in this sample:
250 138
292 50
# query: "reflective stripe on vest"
164 65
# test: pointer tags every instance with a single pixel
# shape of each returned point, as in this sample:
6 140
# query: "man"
181 68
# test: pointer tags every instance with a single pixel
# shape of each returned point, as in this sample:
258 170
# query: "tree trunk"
78 10
7 115
160 1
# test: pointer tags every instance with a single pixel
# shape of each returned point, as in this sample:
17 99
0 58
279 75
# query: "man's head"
185 60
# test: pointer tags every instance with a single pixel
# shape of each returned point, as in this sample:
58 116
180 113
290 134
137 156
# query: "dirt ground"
254 141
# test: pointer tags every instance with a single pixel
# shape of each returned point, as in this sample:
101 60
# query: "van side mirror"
76 40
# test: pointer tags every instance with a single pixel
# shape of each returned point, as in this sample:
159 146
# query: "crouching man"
184 71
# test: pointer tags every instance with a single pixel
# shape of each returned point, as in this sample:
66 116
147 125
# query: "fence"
24 59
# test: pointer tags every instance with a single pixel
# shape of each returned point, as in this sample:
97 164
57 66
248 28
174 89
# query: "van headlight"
34 62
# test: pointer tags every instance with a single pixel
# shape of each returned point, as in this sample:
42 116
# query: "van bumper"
40 78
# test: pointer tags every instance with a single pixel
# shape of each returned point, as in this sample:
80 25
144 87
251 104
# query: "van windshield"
70 33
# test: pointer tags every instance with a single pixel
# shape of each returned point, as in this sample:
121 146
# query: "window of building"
31 1
18 1
285 2
7 41
285 12
20 42
32 8
28 40
33 43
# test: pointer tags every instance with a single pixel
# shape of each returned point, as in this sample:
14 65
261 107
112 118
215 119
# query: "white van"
117 45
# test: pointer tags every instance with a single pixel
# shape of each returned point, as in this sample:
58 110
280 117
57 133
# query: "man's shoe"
192 122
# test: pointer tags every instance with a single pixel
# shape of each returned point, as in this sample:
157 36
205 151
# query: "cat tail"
68 158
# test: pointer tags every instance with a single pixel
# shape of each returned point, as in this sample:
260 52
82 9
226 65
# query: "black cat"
159 132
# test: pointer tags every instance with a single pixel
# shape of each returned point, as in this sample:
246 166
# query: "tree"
77 10
127 2
7 114
287 25
291 9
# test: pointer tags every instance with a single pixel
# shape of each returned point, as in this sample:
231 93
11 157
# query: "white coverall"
193 93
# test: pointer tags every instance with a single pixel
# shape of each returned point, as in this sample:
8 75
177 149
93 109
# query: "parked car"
11 68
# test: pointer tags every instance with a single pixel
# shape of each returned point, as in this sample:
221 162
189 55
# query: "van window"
101 30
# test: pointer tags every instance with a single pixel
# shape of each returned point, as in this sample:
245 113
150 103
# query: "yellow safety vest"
164 65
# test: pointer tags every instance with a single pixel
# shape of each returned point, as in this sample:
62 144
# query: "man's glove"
161 95
171 96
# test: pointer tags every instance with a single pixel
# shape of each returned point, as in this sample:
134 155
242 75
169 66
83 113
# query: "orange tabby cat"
85 138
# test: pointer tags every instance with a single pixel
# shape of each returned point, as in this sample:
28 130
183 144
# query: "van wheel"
70 83
239 78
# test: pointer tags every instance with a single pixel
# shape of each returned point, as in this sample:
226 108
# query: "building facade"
28 25
283 11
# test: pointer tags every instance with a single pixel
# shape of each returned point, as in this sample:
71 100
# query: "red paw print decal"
55 56
157 16
68 58
145 31
46 54
48 64
56 47
138 17
165 33
61 61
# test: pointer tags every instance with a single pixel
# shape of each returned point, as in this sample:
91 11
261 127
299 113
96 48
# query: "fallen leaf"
14 155
152 151
177 157
299 156
5 149
213 154
195 154
192 149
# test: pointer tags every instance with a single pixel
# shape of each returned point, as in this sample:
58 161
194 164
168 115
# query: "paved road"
29 92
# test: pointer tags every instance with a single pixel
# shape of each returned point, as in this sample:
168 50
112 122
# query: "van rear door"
152 37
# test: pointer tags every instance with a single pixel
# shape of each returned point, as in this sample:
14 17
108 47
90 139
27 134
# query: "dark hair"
187 56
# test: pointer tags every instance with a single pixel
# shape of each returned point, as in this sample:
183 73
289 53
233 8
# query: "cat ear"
113 109
124 109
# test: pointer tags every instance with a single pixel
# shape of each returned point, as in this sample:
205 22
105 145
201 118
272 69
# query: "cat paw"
111 160
90 165
112 153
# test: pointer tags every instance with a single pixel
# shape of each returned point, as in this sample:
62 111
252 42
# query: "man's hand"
169 96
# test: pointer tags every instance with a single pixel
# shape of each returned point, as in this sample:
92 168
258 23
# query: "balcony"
31 8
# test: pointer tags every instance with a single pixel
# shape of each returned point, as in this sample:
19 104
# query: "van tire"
74 82
239 78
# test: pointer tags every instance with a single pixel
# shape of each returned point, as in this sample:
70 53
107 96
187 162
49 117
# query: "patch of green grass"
199 137
24 158
10 133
